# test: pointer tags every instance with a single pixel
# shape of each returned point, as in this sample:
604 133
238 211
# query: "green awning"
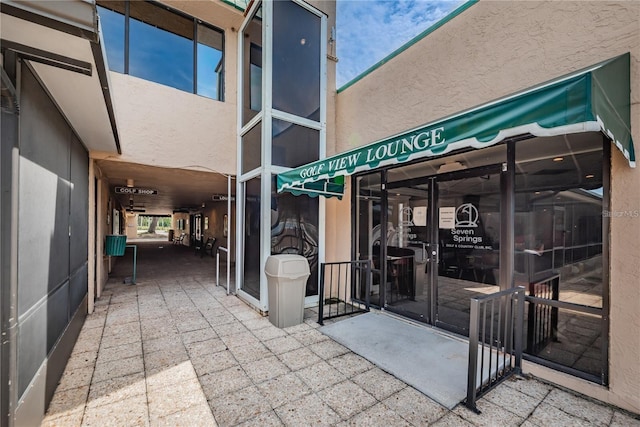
328 187
593 100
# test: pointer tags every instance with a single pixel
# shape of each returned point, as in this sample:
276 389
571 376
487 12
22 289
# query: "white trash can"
287 281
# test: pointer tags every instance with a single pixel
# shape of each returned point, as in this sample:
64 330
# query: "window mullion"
195 56
126 37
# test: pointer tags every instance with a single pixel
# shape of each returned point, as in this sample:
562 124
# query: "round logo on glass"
466 216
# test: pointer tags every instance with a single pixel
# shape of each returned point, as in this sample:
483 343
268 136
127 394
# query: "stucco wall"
491 50
163 126
216 215
494 49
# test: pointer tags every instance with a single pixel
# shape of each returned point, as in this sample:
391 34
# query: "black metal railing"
542 319
495 341
342 284
549 336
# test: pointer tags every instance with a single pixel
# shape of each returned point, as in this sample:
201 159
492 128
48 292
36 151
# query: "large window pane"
294 230
210 63
112 24
255 78
293 145
252 68
559 244
251 149
566 337
252 230
296 60
161 46
558 222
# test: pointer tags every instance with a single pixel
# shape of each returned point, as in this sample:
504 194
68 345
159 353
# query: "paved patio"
175 350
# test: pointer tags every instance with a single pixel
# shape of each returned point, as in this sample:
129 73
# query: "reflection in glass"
252 68
161 56
112 24
255 88
210 63
469 247
251 149
559 245
161 47
558 223
368 224
293 145
407 289
252 230
294 230
296 60
575 341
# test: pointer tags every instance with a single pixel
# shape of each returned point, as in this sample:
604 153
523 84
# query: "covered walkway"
176 350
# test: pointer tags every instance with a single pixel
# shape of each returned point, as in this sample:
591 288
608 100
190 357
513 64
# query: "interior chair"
178 240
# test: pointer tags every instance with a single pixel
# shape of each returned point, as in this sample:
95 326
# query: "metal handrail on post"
132 280
499 340
222 248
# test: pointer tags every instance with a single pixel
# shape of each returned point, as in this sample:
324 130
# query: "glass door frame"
493 169
507 212
507 239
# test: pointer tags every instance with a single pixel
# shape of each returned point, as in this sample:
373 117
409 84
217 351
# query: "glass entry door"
442 245
407 287
467 228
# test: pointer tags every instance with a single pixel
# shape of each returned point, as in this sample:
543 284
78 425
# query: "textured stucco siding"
163 126
494 49
491 50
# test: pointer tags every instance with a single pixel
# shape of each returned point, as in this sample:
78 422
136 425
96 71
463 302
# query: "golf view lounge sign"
593 100
400 149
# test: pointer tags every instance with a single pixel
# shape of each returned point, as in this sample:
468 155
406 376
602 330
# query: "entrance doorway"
439 237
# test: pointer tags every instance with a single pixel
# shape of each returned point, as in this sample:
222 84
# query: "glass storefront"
440 228
559 243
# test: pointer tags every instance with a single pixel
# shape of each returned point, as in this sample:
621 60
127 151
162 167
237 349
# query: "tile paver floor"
174 350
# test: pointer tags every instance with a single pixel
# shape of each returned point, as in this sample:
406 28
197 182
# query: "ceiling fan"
133 208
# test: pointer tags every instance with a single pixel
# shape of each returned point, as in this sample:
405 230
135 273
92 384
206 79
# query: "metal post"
520 294
135 261
321 295
222 248
367 299
473 355
228 233
507 214
9 180
217 267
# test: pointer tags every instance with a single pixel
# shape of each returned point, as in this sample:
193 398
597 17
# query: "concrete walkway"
174 350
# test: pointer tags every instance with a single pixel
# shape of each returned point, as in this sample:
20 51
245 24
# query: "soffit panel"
177 188
79 96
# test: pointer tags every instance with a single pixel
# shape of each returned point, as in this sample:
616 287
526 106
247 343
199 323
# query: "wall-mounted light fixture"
129 182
